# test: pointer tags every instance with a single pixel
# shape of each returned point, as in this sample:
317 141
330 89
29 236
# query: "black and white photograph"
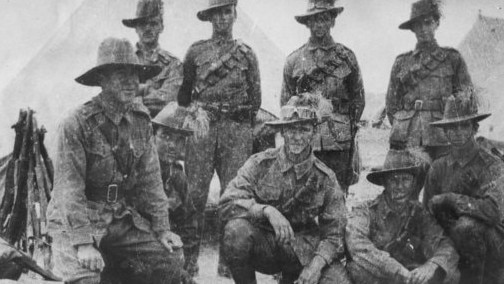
252 141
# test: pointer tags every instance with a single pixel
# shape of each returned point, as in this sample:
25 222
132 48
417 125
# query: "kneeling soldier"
172 126
285 211
465 191
108 208
393 238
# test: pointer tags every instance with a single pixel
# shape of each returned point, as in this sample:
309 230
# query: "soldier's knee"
237 237
335 273
86 280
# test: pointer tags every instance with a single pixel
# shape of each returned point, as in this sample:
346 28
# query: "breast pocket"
100 160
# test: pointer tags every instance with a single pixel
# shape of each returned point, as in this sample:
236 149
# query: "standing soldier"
158 91
108 208
328 67
284 210
420 82
465 192
221 76
171 130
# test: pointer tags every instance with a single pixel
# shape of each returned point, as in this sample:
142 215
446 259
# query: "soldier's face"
223 19
298 137
460 133
149 31
170 145
320 25
121 84
425 29
399 187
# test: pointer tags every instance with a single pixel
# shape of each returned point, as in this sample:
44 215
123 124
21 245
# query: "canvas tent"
47 85
483 51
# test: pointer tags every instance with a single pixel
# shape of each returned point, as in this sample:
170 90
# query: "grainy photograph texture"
252 141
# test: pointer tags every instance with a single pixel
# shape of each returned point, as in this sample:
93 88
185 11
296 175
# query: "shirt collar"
300 169
152 57
115 111
425 46
384 208
326 44
220 39
465 159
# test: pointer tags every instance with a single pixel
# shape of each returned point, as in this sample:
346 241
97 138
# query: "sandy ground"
373 148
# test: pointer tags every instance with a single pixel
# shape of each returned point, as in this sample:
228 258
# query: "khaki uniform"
332 69
377 256
108 192
162 89
473 211
420 82
307 194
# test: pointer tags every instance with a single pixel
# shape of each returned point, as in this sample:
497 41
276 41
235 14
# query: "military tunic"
372 229
420 82
182 212
331 69
112 201
474 185
307 194
162 89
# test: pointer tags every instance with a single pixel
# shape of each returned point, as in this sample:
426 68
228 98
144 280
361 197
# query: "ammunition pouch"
407 252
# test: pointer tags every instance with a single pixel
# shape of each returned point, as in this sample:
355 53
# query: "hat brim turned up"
281 123
377 177
92 77
204 15
133 23
451 121
335 11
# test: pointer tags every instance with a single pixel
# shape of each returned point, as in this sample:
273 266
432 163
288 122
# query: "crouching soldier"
393 238
172 126
285 211
465 191
108 208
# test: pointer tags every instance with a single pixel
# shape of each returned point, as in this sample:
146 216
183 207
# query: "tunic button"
125 176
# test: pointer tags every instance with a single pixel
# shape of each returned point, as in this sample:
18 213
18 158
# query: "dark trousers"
338 162
131 256
248 248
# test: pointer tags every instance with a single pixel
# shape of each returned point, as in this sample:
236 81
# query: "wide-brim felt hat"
420 10
317 7
399 161
204 15
114 54
459 108
146 9
175 118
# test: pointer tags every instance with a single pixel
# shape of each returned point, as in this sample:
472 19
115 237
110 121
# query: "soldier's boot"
223 269
191 260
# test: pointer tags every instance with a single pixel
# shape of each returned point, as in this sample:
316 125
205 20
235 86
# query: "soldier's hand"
283 230
423 274
446 200
311 273
170 240
89 257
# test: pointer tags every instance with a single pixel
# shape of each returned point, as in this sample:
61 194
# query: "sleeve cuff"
327 251
81 238
257 210
160 223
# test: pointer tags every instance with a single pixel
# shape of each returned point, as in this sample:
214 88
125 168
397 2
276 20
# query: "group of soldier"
133 165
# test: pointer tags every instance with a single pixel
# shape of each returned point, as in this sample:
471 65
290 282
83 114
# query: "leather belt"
421 105
112 193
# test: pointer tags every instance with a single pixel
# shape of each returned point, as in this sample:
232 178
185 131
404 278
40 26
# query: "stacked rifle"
28 185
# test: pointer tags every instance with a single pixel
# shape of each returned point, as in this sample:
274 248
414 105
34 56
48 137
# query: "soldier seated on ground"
393 238
285 211
172 127
465 192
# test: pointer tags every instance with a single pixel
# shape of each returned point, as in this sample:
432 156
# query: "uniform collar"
465 159
326 44
220 39
425 47
384 209
168 168
300 169
152 57
113 110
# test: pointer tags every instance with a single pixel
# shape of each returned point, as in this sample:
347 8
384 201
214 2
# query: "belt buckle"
112 188
418 105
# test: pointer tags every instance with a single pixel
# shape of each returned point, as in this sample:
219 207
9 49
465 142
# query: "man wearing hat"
465 192
163 88
108 210
172 127
420 82
330 68
221 76
393 238
284 211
